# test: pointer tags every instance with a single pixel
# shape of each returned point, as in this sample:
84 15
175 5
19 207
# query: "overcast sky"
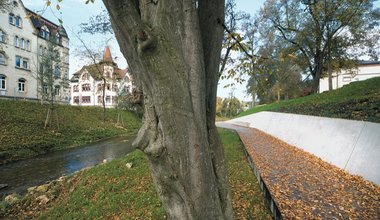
74 12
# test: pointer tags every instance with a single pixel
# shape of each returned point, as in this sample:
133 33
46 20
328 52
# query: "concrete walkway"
348 144
304 186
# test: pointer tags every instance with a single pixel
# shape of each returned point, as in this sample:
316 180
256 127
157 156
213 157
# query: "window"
85 76
44 32
15 42
108 87
15 4
22 41
56 90
25 63
27 45
57 38
2 82
2 36
41 50
22 62
57 72
86 87
2 59
66 75
114 99
75 88
18 61
347 79
100 87
108 99
114 87
21 85
11 19
45 89
18 21
100 99
76 99
86 99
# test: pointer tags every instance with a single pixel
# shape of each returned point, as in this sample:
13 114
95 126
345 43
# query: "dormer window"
15 4
85 76
57 38
44 32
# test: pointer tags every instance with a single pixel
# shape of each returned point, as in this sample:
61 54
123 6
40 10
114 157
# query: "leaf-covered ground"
305 187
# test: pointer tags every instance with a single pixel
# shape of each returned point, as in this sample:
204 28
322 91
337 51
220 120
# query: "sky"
75 12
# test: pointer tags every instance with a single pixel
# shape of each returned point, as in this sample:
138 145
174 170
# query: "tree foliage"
230 107
324 35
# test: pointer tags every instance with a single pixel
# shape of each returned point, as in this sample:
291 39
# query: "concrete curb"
272 204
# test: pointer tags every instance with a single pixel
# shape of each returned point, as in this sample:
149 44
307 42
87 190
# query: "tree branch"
252 56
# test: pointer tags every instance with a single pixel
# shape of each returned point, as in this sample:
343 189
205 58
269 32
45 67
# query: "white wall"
12 73
363 72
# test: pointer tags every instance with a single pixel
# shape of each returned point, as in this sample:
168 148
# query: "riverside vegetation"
22 132
117 190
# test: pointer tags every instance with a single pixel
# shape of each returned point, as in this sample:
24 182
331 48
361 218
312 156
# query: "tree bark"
176 59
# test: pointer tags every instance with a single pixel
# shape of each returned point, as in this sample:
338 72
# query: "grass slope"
356 101
112 191
22 132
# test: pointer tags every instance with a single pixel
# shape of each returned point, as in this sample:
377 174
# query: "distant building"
86 85
365 70
24 36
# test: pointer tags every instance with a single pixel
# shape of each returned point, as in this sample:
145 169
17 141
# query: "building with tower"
100 82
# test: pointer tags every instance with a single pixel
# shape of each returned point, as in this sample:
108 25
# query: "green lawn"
22 132
113 191
356 101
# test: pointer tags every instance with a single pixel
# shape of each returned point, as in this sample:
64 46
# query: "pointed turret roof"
107 55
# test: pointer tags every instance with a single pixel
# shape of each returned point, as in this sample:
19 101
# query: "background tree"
322 32
173 48
95 68
50 78
231 107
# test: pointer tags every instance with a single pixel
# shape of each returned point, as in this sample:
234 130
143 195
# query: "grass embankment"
22 132
356 101
112 191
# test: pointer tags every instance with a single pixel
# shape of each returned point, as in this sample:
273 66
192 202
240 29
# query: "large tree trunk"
317 71
176 59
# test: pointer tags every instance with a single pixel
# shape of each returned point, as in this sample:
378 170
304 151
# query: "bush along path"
304 186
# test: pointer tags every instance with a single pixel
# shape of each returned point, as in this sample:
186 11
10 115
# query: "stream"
23 174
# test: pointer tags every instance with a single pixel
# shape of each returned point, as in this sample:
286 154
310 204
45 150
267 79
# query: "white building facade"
86 85
23 37
365 70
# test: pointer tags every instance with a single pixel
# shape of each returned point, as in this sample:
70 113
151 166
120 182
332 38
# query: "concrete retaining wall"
351 145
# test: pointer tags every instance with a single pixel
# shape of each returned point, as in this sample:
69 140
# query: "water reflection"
23 174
